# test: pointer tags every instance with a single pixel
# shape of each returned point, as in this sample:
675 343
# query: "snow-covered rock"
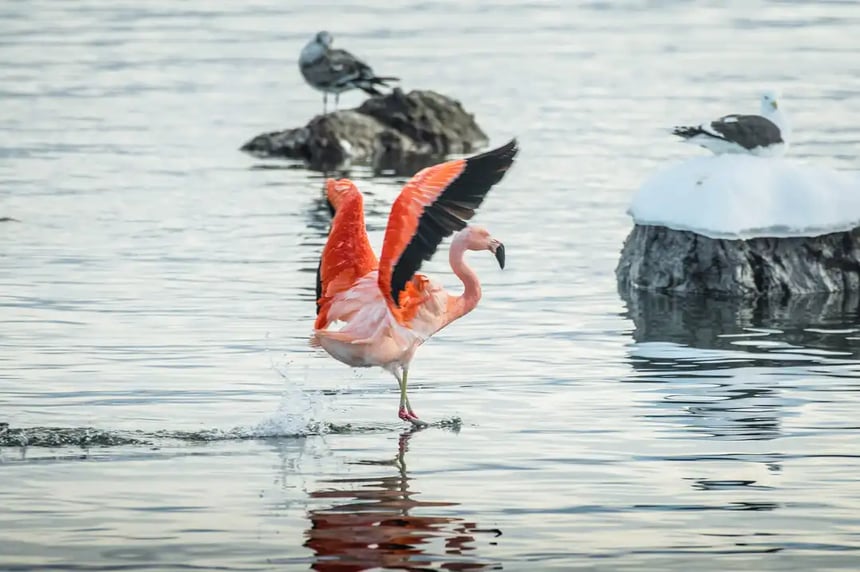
746 226
743 196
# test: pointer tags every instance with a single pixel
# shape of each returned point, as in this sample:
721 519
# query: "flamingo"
377 312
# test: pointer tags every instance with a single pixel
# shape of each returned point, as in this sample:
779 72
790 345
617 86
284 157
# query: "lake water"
158 287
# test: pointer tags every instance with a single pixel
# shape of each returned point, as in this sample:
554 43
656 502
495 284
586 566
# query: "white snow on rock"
742 196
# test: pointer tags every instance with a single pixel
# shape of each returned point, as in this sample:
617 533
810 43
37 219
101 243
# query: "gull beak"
774 104
498 249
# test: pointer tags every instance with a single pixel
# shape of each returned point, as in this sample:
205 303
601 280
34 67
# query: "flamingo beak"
498 249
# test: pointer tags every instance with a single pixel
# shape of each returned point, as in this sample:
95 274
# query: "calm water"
159 286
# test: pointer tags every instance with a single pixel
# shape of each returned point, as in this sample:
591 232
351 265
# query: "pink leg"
407 415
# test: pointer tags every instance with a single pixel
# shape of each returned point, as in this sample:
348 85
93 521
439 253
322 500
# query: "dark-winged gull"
766 134
335 71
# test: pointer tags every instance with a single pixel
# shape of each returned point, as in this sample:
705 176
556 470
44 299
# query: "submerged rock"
396 133
658 258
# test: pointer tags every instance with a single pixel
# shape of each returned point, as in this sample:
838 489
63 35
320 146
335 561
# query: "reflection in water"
732 355
805 322
371 524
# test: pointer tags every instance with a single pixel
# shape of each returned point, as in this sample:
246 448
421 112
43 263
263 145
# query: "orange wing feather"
421 190
437 201
347 255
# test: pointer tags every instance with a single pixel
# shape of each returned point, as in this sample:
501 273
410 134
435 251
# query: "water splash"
300 413
274 428
66 436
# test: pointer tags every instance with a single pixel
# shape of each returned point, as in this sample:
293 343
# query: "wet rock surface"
397 133
658 258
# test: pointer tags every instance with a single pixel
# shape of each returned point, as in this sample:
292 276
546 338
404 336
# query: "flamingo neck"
471 295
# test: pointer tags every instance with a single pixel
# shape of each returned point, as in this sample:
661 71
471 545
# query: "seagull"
334 71
764 135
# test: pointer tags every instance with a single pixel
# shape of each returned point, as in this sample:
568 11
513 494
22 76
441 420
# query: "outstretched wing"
437 201
333 198
347 255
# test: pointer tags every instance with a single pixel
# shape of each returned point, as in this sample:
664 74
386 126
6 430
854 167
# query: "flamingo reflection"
370 525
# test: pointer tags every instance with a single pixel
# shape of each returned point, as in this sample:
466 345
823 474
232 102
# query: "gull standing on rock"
335 71
765 135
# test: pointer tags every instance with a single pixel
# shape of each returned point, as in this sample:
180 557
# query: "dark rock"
657 258
395 154
398 133
427 117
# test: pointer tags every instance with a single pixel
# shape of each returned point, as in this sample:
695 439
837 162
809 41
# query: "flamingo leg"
406 412
406 397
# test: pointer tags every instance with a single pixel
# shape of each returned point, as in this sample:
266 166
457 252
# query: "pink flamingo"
378 312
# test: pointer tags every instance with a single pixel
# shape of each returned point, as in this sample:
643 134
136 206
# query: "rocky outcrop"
658 258
397 133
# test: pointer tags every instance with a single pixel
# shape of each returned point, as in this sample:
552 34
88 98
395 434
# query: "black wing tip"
369 86
493 163
382 79
319 285
506 152
686 132
369 89
451 210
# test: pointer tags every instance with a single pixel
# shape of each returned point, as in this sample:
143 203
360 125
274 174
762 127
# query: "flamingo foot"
410 416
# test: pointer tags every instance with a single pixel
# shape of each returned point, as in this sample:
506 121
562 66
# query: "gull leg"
325 102
336 100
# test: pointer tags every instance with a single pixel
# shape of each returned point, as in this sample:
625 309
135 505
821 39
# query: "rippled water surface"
157 287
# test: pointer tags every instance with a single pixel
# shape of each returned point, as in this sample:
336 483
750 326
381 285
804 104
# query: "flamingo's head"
338 190
479 238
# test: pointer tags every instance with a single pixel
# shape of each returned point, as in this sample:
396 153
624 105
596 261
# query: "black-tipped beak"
500 255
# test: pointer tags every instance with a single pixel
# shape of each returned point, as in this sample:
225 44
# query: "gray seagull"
335 71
